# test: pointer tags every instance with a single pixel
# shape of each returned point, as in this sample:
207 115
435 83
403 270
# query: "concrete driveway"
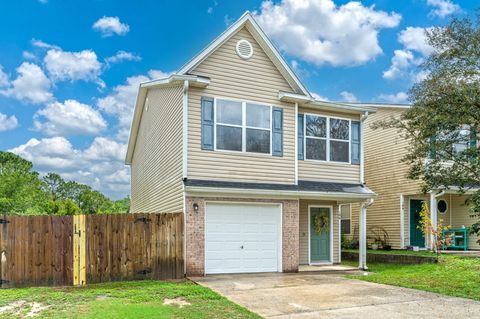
314 295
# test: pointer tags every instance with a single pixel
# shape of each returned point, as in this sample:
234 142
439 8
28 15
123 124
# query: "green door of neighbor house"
320 234
416 236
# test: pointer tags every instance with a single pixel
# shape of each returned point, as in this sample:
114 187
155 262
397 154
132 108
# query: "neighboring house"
258 166
399 201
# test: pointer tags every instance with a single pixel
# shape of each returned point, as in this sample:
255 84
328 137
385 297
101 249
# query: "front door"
320 226
416 235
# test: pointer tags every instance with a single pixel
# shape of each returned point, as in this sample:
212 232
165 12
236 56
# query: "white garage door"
241 238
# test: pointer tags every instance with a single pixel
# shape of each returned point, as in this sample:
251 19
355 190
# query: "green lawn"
134 299
452 275
396 252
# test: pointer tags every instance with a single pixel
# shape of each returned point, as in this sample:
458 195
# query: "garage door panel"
256 228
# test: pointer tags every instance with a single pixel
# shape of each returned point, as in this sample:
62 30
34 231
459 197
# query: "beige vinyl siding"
303 227
157 160
461 217
386 176
256 80
311 170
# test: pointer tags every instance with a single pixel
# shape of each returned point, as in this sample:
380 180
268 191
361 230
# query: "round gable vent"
244 49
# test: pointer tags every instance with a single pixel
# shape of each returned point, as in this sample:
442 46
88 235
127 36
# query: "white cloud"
3 78
44 45
123 56
100 165
415 38
405 62
109 26
320 32
7 122
442 8
72 66
319 97
121 101
348 97
29 55
69 118
31 84
398 98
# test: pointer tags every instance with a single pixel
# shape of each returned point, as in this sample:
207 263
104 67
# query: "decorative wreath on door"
320 224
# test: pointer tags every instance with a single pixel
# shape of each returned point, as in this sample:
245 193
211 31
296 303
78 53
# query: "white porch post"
402 221
362 242
433 217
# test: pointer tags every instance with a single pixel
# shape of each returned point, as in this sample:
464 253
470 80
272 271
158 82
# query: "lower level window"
346 219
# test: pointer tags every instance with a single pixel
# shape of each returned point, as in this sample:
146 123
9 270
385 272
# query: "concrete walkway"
314 295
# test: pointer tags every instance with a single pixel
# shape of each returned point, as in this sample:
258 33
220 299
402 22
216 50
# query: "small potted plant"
375 245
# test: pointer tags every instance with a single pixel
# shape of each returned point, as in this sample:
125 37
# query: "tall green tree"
443 123
21 190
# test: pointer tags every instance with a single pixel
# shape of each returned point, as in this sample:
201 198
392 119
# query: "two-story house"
258 166
399 199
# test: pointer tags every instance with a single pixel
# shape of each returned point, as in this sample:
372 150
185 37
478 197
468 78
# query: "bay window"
327 138
242 126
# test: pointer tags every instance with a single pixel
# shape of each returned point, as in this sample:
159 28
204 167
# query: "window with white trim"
346 219
327 138
242 126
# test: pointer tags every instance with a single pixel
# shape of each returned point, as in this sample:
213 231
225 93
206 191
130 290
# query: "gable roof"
247 20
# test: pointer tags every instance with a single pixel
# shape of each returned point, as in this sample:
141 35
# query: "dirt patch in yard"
23 308
180 302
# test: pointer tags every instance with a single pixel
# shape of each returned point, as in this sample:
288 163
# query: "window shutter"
300 143
207 123
277 131
355 141
473 138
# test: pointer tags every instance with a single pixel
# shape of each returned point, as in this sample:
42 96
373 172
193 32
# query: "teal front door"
416 235
320 225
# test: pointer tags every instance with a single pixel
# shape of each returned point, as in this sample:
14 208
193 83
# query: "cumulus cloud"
348 97
398 98
320 32
121 101
72 66
30 85
69 118
121 56
3 78
405 61
318 96
109 26
99 165
7 122
44 45
442 8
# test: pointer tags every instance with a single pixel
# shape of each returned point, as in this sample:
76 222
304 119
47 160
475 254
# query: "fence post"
79 250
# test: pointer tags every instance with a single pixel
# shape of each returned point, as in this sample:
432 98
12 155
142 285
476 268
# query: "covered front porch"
447 208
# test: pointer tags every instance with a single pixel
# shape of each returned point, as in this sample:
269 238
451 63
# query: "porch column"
362 240
433 217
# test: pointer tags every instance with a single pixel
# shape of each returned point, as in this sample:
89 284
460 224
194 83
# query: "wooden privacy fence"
81 249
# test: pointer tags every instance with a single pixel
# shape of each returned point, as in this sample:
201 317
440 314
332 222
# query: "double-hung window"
327 138
242 126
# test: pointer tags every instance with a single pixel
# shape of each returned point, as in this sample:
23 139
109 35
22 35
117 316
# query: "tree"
436 232
443 123
21 190
54 183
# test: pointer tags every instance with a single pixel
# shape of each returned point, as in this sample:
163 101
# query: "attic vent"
244 49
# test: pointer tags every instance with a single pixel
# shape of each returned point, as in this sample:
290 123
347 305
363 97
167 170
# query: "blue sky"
69 69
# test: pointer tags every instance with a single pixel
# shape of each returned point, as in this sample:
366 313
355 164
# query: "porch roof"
304 189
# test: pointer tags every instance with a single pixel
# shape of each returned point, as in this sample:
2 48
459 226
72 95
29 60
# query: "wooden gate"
81 249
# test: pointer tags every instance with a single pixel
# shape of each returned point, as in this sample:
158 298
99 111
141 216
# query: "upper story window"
242 126
457 141
327 138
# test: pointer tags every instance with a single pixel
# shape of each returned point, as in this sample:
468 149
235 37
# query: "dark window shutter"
473 138
277 132
207 123
300 142
355 139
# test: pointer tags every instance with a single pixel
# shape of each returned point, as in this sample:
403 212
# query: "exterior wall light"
195 207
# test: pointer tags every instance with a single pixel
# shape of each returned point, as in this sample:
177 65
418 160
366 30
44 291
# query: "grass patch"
133 299
452 275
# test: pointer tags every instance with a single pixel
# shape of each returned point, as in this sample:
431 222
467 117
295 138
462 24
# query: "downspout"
184 168
296 143
362 260
363 118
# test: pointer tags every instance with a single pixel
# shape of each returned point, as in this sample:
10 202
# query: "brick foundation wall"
195 233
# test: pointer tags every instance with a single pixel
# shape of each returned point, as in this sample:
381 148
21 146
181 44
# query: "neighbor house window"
327 138
346 218
242 126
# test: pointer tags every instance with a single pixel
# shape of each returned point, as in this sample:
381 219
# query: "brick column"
195 237
291 234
